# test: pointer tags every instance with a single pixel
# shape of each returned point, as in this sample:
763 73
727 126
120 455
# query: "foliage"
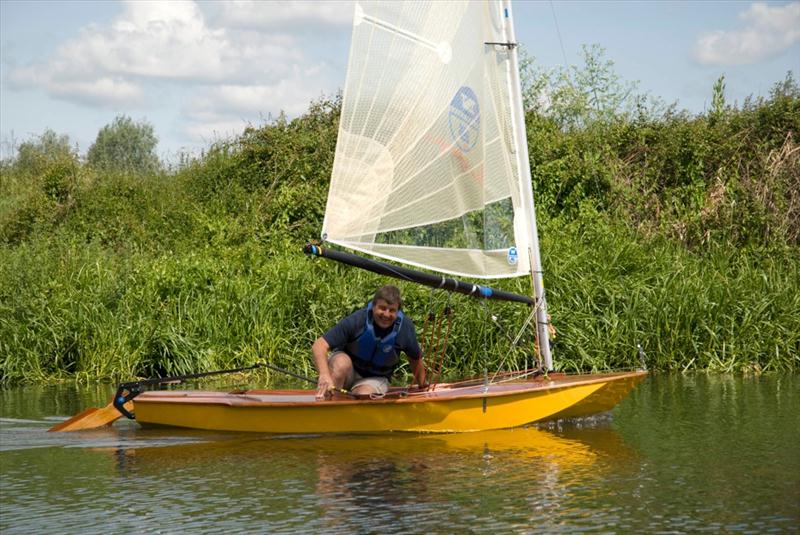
35 156
578 96
731 176
125 145
718 99
37 185
677 231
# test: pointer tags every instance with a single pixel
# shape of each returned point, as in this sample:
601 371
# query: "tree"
718 99
125 145
36 155
577 96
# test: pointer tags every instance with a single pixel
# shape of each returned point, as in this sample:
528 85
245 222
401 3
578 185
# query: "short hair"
390 294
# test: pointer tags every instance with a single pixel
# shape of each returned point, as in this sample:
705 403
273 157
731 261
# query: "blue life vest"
373 355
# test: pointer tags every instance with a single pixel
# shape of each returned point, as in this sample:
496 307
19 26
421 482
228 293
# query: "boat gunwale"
226 399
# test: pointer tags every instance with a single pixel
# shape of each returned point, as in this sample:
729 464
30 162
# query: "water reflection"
681 454
150 447
388 479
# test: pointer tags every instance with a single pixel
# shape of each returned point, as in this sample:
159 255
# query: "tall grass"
113 276
722 309
78 311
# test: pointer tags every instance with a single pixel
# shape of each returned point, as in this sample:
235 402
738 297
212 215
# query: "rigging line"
525 325
485 343
516 376
479 381
488 314
558 32
505 332
435 345
447 315
434 342
429 336
503 329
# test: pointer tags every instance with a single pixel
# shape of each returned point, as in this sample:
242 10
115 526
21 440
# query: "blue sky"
200 71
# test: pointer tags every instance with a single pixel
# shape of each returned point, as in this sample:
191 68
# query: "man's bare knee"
341 363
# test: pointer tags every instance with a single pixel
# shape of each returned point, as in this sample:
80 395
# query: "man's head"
385 306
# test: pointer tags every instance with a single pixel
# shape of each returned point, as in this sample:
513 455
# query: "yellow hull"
447 409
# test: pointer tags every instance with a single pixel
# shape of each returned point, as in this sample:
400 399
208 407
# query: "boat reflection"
347 478
163 449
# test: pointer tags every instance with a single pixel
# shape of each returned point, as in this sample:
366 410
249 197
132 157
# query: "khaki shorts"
379 384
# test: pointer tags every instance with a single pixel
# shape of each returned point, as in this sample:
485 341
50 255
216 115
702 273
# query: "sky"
203 71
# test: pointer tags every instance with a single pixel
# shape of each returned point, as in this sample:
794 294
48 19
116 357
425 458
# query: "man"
365 348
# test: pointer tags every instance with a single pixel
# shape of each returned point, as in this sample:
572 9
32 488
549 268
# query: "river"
682 454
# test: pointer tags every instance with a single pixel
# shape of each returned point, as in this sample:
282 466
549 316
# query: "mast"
523 164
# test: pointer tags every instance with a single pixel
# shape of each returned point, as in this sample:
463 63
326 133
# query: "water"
680 455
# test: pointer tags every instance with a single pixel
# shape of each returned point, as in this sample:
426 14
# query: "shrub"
125 145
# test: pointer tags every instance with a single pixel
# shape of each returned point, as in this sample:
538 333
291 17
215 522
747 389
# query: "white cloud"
260 14
111 91
223 109
291 94
200 71
104 91
768 31
164 42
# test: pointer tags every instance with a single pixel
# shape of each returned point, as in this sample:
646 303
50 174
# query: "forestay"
426 169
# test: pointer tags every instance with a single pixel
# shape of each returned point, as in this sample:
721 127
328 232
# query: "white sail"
426 170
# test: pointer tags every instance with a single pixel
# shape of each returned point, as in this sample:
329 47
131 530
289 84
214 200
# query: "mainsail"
431 162
426 171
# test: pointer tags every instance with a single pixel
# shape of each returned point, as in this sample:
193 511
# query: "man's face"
384 314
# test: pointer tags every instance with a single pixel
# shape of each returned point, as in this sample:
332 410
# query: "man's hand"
324 387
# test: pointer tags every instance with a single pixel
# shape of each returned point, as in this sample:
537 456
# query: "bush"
34 157
126 146
673 230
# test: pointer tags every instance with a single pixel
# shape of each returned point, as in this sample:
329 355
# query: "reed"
114 276
76 311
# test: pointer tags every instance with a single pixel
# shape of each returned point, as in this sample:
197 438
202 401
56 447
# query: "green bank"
676 231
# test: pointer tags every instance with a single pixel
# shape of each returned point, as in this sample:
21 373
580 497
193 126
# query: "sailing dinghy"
431 170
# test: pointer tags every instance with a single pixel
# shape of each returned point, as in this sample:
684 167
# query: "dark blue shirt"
352 327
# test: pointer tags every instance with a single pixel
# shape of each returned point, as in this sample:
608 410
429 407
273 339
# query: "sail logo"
513 256
464 119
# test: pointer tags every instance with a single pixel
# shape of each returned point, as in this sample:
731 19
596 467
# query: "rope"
506 377
514 341
430 320
448 313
